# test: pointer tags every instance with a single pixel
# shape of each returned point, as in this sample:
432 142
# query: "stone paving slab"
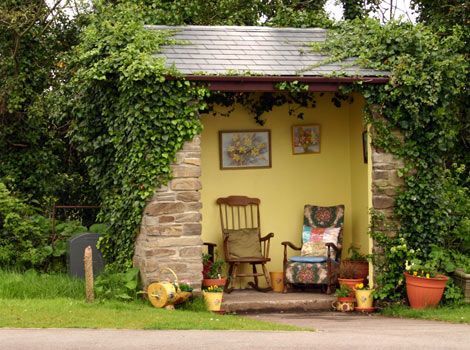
247 300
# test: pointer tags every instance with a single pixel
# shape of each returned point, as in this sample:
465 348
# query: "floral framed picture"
306 139
245 149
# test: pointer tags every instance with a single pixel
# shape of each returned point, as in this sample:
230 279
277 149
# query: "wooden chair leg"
255 275
266 275
232 272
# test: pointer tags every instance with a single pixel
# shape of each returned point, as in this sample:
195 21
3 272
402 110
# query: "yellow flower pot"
213 300
364 298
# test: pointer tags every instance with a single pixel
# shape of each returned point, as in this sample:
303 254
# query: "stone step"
248 301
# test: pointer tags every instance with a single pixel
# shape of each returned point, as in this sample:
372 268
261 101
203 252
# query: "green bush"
27 239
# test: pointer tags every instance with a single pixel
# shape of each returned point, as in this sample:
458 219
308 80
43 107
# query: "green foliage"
343 291
36 160
26 238
129 120
117 285
425 101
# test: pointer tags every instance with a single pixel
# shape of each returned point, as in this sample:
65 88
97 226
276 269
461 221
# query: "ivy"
130 116
425 101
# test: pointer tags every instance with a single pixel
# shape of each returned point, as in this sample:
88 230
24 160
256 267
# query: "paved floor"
334 331
250 300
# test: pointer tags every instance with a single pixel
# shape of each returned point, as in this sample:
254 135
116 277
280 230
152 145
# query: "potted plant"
462 279
344 302
213 297
212 271
348 277
364 297
358 262
424 285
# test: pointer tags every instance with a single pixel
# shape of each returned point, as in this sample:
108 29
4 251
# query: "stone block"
193 206
380 175
191 252
160 252
188 217
192 229
159 208
192 161
185 184
179 241
164 196
171 230
183 171
188 196
166 219
383 202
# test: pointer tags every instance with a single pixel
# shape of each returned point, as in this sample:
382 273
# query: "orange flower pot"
424 292
350 283
220 282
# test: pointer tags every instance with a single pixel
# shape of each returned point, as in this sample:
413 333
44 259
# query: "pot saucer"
365 309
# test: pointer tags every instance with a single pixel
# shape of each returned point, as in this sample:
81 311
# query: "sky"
402 9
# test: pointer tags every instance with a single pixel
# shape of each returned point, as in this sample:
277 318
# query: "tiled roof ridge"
235 28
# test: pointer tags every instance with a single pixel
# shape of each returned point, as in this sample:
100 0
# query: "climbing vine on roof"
426 100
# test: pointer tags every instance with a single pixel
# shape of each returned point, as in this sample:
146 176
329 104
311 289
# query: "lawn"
455 313
57 301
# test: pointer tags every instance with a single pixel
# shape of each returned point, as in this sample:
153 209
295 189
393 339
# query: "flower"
214 289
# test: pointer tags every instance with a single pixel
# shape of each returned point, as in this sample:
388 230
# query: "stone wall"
170 232
385 184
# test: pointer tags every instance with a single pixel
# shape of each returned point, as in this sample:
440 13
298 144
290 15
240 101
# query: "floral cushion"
313 249
315 216
314 240
311 273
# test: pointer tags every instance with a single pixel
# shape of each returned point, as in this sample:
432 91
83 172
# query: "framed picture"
364 146
245 149
306 139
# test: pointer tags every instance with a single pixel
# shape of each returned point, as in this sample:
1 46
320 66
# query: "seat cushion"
243 243
311 273
308 259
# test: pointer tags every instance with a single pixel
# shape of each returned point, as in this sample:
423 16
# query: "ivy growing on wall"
426 101
129 120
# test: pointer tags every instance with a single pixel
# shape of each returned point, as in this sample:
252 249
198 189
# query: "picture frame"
365 152
306 139
245 149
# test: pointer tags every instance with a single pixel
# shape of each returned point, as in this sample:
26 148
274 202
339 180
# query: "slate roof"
235 50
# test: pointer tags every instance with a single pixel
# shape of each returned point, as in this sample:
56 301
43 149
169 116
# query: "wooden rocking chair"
243 244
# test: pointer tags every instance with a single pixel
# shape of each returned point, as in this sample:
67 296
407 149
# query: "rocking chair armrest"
290 244
267 237
332 245
210 245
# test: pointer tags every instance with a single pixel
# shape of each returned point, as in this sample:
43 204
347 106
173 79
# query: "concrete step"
247 301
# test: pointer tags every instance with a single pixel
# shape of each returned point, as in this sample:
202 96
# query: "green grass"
34 285
33 300
455 314
72 313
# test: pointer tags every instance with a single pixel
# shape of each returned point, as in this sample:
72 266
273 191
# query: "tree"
36 160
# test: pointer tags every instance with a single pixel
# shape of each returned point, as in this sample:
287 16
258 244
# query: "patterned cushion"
311 273
308 259
315 216
313 249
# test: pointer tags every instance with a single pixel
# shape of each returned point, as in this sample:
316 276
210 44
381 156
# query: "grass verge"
72 313
455 313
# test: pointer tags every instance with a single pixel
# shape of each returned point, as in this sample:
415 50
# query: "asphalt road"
334 331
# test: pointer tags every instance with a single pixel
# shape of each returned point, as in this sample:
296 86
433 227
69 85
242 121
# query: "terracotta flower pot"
424 292
220 282
361 268
350 283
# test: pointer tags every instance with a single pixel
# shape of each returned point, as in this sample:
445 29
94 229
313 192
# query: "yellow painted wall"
335 176
359 178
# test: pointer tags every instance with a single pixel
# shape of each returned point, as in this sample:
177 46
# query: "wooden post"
88 261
